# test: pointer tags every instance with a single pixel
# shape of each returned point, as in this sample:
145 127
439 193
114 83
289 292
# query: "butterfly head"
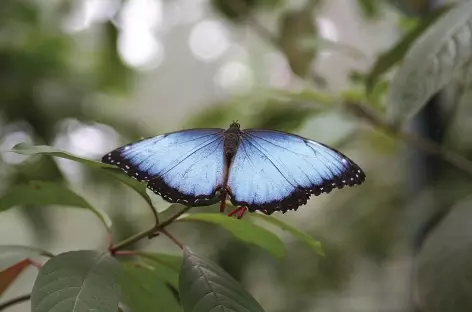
235 124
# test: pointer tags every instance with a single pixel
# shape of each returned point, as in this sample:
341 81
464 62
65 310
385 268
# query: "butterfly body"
232 137
262 170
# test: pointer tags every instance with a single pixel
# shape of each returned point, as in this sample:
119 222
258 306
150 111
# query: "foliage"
432 55
99 272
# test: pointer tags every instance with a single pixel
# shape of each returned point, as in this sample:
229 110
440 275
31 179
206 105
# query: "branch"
13 301
414 139
148 233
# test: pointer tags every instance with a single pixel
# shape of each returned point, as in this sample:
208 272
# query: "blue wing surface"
185 167
278 171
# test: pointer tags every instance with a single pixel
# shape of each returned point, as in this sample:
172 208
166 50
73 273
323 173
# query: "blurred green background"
87 76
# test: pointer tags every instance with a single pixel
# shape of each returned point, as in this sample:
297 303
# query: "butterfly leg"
241 212
233 212
223 199
223 204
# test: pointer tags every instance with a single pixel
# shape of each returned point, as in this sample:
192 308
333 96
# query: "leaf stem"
147 233
35 264
13 301
172 238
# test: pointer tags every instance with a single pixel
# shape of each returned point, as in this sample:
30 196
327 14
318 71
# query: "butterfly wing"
275 170
183 167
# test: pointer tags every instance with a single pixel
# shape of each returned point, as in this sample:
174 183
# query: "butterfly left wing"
185 167
278 171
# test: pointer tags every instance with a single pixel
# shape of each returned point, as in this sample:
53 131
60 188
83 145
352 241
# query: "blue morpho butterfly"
258 169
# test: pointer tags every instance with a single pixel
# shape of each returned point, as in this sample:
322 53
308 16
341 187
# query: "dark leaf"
206 287
27 149
388 59
77 281
144 289
47 193
441 53
139 187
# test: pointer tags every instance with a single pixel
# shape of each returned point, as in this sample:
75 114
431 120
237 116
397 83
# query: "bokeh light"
234 77
88 12
13 135
327 30
209 40
138 44
84 140
140 49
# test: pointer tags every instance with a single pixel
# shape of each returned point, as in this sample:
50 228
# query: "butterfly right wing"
278 171
185 167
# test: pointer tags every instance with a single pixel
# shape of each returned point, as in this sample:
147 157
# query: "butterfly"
257 169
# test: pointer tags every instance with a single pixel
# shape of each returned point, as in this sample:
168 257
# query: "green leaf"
47 193
438 56
388 59
206 287
27 149
143 290
165 266
77 281
243 230
139 187
171 262
316 245
11 254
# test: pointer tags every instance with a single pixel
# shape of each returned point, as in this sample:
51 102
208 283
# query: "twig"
125 253
35 264
148 233
173 217
154 212
172 238
13 301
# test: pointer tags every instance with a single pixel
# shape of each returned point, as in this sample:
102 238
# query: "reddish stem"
126 253
172 238
35 264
